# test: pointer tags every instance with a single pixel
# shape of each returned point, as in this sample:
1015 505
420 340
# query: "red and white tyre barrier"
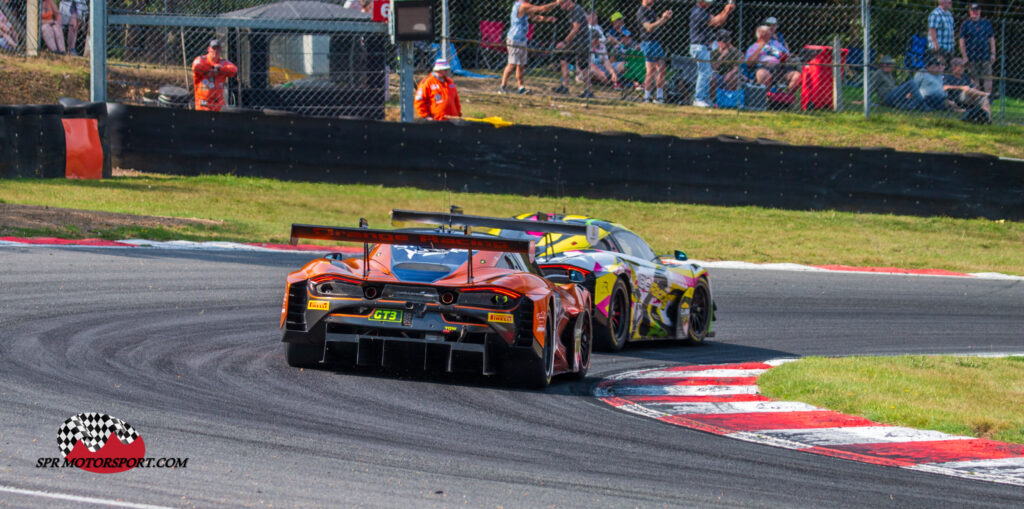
723 399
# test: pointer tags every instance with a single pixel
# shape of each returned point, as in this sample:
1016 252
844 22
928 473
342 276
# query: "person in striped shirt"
941 30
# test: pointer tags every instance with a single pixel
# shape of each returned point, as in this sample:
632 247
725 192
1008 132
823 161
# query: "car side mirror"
576 276
681 256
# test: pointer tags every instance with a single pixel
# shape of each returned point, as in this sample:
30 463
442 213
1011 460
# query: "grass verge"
975 396
262 210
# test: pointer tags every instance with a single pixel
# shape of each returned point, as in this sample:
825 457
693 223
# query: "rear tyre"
534 373
584 345
700 314
614 336
303 355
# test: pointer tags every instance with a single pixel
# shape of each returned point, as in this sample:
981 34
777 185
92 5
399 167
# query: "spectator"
767 59
595 27
726 63
978 46
209 72
577 45
702 26
73 14
364 6
881 81
940 31
522 13
8 37
601 67
777 37
650 44
618 35
436 96
925 91
50 27
930 86
962 89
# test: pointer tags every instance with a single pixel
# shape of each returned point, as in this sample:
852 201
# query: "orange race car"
438 300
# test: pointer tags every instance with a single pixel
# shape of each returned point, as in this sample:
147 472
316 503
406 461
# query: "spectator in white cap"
436 96
777 37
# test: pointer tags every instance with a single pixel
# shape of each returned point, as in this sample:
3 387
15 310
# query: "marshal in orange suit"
209 72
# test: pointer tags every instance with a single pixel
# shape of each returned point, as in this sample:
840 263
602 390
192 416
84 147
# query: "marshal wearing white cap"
436 96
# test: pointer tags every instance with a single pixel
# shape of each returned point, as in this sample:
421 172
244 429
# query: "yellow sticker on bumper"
499 317
319 305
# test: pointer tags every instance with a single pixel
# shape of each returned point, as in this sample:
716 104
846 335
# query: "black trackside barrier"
32 141
563 162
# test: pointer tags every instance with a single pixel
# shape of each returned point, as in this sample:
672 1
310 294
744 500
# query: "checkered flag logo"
94 429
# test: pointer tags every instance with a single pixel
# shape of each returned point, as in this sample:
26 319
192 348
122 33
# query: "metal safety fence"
305 57
755 55
333 57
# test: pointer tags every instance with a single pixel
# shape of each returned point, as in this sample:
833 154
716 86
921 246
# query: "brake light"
335 286
494 297
494 289
330 277
567 268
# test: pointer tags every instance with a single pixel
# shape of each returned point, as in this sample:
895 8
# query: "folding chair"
634 74
916 48
492 44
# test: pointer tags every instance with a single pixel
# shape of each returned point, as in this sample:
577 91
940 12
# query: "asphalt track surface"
184 346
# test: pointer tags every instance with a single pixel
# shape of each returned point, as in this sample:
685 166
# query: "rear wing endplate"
401 217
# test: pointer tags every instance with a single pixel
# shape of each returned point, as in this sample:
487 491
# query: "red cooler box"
816 79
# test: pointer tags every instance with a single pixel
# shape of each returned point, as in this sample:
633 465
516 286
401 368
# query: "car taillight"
488 297
335 286
557 268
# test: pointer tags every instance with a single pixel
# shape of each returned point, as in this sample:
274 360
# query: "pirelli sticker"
319 305
499 317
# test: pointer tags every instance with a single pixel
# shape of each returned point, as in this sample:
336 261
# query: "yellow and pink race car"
637 295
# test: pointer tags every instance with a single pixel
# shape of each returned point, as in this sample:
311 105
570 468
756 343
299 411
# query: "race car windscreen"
425 265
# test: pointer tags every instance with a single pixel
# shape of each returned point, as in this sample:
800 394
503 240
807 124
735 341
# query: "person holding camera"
209 72
702 34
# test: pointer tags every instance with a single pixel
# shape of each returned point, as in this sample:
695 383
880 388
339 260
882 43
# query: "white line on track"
860 435
78 499
740 407
685 390
707 373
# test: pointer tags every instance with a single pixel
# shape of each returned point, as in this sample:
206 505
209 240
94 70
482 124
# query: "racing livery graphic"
636 294
441 299
100 443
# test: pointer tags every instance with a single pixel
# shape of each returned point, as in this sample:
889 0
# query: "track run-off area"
183 343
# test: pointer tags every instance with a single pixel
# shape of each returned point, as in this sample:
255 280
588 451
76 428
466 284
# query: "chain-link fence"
331 57
12 27
751 55
311 58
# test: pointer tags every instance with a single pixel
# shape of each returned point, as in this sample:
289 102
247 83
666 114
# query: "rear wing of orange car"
404 217
429 240
406 238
